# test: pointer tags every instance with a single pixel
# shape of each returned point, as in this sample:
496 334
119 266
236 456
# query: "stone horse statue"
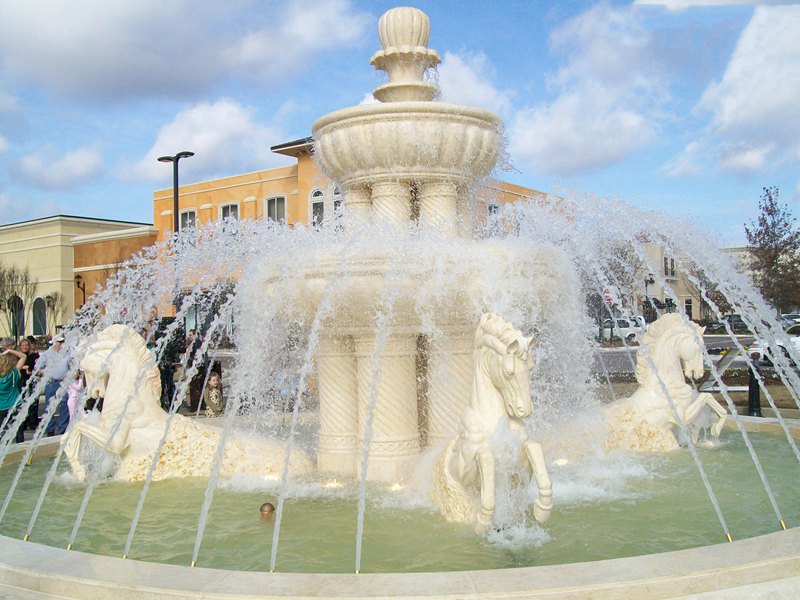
120 368
671 349
464 474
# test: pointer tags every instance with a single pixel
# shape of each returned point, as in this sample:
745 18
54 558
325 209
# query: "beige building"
45 248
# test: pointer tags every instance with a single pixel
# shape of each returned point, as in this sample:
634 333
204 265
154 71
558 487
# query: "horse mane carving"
671 350
145 361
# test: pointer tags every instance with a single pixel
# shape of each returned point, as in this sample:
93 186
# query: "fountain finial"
404 33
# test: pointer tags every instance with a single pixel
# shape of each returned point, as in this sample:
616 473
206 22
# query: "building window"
666 267
687 307
317 203
672 267
229 211
317 212
39 317
492 209
188 219
276 208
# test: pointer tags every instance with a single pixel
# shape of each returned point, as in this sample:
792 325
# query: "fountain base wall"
750 568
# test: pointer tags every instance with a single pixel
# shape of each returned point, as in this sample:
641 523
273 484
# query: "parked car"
760 350
627 328
792 316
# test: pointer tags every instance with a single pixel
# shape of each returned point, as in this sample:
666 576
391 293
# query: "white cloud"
681 5
609 95
754 108
64 172
3 145
116 49
302 30
466 79
687 164
224 137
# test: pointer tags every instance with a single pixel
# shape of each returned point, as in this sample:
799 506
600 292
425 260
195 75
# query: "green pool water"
618 506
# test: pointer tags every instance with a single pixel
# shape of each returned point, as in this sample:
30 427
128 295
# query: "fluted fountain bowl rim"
421 107
455 154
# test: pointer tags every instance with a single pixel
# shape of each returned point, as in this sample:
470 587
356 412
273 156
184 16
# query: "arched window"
39 317
317 207
16 308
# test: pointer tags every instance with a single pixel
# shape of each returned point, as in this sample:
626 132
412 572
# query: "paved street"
622 360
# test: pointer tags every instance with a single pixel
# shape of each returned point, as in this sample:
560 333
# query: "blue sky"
682 106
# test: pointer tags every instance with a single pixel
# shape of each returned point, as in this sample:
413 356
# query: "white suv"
627 328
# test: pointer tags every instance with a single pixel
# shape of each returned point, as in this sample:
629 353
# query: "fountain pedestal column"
438 205
450 370
358 204
394 442
391 201
338 411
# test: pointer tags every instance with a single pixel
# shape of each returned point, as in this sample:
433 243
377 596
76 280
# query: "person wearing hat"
28 348
54 365
11 361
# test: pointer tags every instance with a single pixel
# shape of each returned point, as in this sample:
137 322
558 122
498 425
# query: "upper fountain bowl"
407 138
407 141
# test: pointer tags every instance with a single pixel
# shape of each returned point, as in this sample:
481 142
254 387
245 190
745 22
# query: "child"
212 396
75 394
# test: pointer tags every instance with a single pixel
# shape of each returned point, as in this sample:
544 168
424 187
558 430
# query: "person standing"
11 362
54 364
31 356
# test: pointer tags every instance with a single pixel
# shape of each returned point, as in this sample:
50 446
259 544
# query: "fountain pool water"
617 506
352 349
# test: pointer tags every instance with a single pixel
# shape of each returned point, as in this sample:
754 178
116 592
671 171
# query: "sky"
682 106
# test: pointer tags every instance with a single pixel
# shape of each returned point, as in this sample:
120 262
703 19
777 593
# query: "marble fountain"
413 386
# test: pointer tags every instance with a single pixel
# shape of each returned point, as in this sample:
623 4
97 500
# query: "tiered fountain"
358 356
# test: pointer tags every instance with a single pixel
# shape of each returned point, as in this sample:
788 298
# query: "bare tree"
18 289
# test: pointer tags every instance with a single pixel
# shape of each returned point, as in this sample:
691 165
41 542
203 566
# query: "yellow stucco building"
46 248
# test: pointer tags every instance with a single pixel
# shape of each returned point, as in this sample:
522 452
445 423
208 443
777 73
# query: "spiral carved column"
391 201
394 443
450 371
437 205
358 204
338 406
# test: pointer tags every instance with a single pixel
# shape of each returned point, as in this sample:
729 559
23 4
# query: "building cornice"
120 234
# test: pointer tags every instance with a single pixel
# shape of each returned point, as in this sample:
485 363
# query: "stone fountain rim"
429 111
741 569
727 566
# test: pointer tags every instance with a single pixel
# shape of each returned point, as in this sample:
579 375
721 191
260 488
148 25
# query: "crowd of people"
23 368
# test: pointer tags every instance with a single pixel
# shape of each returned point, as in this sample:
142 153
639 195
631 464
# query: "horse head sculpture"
464 476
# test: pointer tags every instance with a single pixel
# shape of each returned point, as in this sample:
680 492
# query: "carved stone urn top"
404 33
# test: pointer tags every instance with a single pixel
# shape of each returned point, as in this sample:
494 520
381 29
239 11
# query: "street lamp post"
649 280
81 286
174 160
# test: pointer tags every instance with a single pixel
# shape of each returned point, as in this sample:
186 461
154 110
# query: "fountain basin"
740 569
408 142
